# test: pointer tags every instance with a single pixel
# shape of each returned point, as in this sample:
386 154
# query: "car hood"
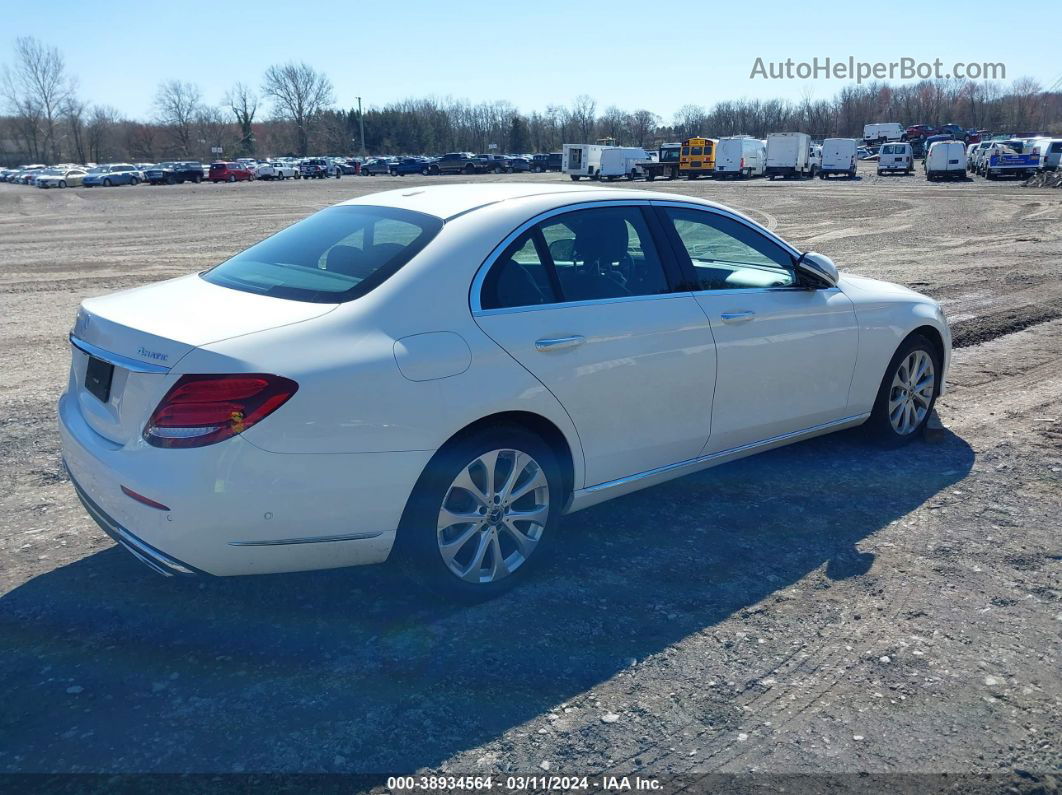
863 288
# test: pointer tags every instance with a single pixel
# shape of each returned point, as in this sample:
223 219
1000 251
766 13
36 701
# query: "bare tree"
643 125
100 132
36 89
299 92
584 116
74 112
243 102
178 105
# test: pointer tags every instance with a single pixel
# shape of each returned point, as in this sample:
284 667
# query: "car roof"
449 201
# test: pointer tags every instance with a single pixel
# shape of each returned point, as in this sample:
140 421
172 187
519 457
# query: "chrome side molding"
308 540
692 463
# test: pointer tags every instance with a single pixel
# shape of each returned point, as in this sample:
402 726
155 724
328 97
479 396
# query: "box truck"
838 157
740 156
621 161
789 155
581 160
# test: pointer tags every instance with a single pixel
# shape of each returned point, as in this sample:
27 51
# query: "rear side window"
587 255
333 256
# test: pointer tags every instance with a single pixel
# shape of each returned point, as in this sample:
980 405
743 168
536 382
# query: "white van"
946 160
621 161
740 156
581 160
838 157
1049 150
882 133
896 157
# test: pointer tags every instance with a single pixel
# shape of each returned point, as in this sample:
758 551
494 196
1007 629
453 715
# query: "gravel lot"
828 607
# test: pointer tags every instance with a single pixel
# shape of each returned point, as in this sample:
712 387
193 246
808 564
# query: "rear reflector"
204 409
128 492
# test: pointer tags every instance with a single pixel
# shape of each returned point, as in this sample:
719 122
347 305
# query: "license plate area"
98 377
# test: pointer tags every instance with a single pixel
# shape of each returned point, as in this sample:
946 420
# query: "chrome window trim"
624 299
477 282
125 362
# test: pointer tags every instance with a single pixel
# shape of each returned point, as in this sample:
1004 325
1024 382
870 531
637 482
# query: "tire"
425 171
107 183
575 177
171 181
62 183
232 178
885 425
134 181
470 169
881 173
197 179
523 545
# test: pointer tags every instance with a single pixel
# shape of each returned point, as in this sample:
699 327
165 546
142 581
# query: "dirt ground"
829 607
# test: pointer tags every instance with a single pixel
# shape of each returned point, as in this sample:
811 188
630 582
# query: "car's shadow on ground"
105 666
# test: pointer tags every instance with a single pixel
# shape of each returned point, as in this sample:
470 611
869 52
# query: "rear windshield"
336 255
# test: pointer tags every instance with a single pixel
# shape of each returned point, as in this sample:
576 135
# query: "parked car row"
175 172
461 163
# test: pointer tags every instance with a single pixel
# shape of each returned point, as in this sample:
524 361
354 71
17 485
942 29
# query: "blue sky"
532 54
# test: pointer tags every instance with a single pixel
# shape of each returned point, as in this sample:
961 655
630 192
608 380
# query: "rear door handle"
559 343
738 317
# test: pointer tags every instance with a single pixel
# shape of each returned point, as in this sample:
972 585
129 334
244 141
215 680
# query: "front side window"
725 254
586 255
336 255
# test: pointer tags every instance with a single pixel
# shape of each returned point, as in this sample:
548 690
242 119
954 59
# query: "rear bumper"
236 509
152 558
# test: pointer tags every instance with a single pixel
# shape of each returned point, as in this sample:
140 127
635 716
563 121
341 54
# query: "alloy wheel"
911 393
493 515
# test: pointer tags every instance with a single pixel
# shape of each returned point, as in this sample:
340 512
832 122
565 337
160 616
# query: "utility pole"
361 125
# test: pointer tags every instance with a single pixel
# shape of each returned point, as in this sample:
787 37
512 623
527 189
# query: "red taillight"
204 409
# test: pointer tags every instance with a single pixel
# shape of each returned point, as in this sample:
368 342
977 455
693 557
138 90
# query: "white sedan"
440 373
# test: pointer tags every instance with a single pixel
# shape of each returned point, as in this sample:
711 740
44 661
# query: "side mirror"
819 267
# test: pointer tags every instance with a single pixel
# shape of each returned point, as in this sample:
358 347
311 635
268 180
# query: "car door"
585 302
785 352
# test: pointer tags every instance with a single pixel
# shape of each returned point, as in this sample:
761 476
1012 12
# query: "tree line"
294 111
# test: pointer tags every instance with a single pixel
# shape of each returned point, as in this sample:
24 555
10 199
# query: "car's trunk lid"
140 335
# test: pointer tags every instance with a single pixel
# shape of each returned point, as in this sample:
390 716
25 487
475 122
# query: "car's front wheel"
907 393
483 513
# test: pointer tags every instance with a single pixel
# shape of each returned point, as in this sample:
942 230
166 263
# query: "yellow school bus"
697 157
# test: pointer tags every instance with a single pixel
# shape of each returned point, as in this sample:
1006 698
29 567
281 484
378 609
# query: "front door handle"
738 317
559 343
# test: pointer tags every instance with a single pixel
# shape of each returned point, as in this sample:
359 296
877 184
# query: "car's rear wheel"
107 183
232 178
907 393
62 183
483 514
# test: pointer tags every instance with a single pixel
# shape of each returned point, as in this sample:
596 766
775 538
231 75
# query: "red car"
919 131
229 172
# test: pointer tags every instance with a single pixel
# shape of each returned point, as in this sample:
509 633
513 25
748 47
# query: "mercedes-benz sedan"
439 374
